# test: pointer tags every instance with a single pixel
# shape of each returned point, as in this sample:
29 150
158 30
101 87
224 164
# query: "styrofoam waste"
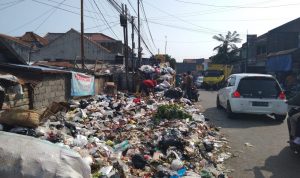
80 140
198 117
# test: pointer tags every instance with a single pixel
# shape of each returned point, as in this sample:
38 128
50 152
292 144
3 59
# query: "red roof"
32 37
98 37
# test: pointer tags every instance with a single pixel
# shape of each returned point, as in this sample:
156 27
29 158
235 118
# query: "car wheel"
280 118
218 103
229 112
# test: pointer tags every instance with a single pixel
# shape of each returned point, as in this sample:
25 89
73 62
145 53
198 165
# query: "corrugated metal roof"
35 68
14 39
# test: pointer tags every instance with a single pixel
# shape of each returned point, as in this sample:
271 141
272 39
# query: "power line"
113 24
15 3
132 7
105 20
61 8
119 9
31 21
54 9
7 3
232 6
74 7
144 12
180 27
187 22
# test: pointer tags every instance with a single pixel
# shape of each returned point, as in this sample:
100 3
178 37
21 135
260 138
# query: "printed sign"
82 85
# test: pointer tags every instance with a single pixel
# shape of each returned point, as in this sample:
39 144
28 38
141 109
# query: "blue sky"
186 25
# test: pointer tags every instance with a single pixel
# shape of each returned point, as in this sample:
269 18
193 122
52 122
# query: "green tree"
227 51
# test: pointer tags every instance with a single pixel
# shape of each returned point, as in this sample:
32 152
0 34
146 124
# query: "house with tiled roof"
113 45
13 50
35 40
66 47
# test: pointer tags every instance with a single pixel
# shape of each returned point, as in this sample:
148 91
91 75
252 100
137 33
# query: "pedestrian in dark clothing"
189 84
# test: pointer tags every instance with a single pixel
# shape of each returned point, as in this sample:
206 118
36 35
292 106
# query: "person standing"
189 84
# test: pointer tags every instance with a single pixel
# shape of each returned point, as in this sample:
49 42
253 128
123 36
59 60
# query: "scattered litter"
248 144
125 136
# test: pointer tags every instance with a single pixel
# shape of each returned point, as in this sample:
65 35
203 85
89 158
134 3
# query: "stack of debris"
125 136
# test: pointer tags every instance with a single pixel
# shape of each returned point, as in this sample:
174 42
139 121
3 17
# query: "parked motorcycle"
293 122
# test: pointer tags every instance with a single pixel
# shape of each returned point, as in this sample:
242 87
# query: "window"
259 87
230 81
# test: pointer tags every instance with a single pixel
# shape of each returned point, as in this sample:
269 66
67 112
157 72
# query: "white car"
199 81
252 94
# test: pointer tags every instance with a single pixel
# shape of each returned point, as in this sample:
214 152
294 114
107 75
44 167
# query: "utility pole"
81 37
123 20
166 45
132 43
132 52
139 34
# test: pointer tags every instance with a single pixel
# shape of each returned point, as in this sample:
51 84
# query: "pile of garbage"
125 136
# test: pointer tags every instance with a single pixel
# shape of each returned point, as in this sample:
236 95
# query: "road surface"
270 155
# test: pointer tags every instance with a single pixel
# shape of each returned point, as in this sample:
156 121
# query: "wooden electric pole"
132 43
81 38
139 35
123 20
132 54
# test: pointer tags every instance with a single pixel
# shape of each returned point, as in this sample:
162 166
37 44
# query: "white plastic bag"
23 156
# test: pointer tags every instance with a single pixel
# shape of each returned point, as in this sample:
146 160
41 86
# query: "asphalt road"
270 155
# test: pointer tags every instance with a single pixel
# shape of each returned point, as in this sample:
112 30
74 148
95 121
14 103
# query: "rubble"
124 136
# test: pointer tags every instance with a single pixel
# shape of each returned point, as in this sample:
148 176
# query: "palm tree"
227 50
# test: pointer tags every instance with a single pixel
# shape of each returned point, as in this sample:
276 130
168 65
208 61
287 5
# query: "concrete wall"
67 46
49 90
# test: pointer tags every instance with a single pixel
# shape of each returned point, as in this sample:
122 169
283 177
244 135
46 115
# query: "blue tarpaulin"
282 63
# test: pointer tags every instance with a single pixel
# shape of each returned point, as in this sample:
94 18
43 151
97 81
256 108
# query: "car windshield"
259 87
200 79
213 73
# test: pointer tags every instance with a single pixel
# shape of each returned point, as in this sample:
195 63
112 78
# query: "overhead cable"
233 6
53 11
105 20
187 22
144 12
11 4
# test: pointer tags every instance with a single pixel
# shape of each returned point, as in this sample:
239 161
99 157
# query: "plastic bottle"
122 146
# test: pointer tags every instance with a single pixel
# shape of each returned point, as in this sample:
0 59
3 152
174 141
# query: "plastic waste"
106 170
122 146
198 117
34 161
176 164
80 140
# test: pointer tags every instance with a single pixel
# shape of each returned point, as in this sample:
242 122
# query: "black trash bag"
24 131
138 161
171 137
209 146
83 104
174 93
72 128
161 174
